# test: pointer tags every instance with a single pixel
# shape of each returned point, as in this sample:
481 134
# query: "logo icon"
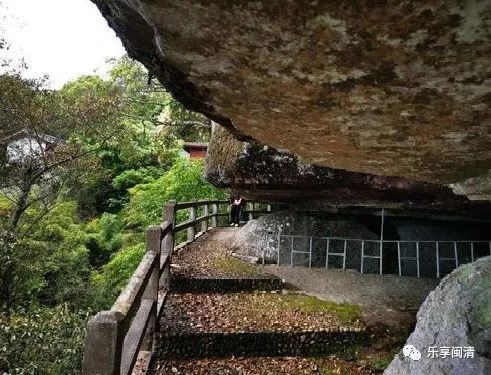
411 352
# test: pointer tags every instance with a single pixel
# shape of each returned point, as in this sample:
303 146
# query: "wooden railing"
115 337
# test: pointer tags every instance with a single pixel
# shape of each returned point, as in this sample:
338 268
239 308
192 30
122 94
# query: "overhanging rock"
395 88
264 173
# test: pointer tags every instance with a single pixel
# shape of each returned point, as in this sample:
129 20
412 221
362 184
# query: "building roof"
195 145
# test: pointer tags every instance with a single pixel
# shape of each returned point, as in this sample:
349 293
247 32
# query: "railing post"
152 290
167 246
310 252
327 253
362 256
251 212
291 253
437 260
204 223
399 257
192 217
344 254
214 211
103 345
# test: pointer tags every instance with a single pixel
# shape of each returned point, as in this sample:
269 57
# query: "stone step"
264 323
264 343
224 284
261 366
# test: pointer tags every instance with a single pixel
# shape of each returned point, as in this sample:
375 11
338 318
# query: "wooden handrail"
115 337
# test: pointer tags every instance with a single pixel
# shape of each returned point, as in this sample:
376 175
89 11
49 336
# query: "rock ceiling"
394 88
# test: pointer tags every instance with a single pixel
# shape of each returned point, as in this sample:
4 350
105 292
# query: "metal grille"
368 256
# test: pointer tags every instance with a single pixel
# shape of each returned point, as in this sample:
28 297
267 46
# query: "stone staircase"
246 323
194 308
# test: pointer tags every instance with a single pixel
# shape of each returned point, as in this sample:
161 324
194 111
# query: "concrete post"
214 219
167 246
152 290
192 217
103 345
204 223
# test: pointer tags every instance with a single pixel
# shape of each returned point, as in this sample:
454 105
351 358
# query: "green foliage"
379 365
131 177
104 237
50 264
113 276
72 220
141 148
229 265
42 341
183 182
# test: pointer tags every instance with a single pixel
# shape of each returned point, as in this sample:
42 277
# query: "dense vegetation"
91 167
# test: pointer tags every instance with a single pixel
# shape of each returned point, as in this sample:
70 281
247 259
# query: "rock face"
259 238
395 88
260 172
457 313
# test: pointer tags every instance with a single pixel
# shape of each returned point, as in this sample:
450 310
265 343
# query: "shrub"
49 264
104 238
108 282
183 182
42 341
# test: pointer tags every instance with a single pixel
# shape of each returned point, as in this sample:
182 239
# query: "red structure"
196 150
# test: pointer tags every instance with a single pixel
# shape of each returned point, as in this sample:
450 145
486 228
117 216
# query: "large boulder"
259 237
394 88
456 314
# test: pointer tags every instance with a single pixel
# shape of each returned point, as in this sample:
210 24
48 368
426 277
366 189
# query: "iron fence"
441 256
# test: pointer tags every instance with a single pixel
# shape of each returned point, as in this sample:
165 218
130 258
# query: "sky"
61 38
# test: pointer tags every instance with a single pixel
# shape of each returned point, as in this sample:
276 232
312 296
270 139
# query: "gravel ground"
265 366
252 312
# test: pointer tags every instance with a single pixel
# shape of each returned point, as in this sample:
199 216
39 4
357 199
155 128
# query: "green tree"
183 182
37 162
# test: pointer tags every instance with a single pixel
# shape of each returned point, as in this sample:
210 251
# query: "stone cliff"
263 173
455 315
393 88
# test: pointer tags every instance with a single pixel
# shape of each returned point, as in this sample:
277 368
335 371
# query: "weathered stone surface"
397 88
457 313
263 173
259 238
475 188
